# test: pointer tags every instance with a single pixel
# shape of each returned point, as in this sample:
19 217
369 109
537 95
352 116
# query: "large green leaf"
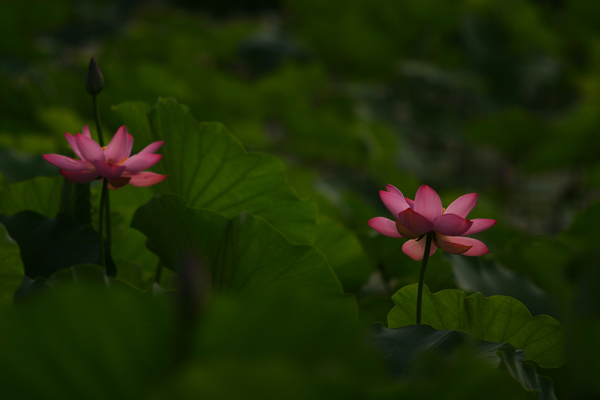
401 347
344 253
127 243
75 201
50 244
476 274
11 268
209 168
496 319
245 254
41 194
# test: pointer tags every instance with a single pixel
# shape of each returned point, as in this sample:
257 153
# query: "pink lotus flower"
112 162
414 219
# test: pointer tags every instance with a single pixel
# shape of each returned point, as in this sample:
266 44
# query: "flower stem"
104 204
105 250
97 120
101 223
422 276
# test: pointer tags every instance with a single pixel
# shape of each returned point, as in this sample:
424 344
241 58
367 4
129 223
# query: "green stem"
104 203
107 223
422 276
97 119
101 223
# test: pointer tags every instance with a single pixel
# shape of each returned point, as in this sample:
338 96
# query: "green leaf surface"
41 194
245 254
78 274
130 244
512 362
88 274
345 254
75 202
402 347
496 319
475 274
50 244
30 288
209 168
11 268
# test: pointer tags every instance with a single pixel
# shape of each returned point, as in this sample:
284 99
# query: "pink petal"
152 147
477 247
86 132
129 144
451 224
428 203
394 203
90 150
463 205
448 244
140 162
108 170
114 184
144 179
403 230
73 144
416 250
394 190
79 177
415 222
479 225
67 163
411 203
384 226
116 151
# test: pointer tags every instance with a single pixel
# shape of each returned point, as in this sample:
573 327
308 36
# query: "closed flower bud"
94 81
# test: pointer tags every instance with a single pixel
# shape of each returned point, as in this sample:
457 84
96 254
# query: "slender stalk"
107 223
97 120
101 223
104 202
422 276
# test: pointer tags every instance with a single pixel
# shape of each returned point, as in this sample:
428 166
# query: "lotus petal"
451 224
480 225
116 151
463 205
477 247
415 222
90 150
140 162
384 226
143 179
428 203
67 163
394 203
416 249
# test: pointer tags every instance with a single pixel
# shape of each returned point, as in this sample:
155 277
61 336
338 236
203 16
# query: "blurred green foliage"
499 97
